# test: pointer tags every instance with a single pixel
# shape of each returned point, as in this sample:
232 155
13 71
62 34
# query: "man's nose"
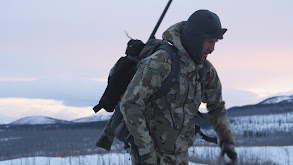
212 48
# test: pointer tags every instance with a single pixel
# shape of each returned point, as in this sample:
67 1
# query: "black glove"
229 149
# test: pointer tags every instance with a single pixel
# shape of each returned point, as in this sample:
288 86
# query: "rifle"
160 20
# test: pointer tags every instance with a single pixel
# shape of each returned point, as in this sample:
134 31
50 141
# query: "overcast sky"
56 55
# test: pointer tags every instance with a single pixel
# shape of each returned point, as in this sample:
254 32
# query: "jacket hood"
172 35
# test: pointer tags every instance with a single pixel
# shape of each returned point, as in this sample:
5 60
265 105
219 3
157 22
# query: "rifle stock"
107 137
205 137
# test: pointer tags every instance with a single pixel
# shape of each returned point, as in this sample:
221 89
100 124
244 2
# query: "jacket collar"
172 35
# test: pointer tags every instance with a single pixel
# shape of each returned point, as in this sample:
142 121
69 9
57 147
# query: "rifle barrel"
160 20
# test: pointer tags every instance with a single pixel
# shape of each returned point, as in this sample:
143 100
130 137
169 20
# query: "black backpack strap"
135 59
171 79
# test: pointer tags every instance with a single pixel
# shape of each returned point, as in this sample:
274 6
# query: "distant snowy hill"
6 119
33 120
273 105
95 117
268 106
278 99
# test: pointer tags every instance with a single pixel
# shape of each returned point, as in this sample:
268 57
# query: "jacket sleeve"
148 79
212 95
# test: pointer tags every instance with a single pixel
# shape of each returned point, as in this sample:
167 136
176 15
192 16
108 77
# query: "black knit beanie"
202 24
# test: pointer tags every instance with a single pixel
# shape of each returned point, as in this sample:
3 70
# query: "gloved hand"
229 149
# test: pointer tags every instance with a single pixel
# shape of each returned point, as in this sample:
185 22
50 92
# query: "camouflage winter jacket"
166 124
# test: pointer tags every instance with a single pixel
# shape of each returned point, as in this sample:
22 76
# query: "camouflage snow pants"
167 159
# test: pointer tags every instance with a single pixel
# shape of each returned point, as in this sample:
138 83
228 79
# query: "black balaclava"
202 24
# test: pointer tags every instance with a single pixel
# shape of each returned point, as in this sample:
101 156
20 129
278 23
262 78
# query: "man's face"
208 47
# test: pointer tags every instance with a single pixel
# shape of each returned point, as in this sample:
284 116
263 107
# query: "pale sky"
56 55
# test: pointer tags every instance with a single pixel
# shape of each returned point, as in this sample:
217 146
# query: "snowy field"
272 122
204 155
247 155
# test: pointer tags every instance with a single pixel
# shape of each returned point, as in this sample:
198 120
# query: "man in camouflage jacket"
163 129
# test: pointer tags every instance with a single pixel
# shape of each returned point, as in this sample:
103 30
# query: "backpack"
123 71
120 76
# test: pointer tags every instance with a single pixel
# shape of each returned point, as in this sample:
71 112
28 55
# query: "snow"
246 155
8 139
249 155
32 120
100 159
270 123
6 119
277 99
100 116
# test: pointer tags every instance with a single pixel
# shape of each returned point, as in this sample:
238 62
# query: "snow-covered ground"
103 159
247 155
8 139
272 122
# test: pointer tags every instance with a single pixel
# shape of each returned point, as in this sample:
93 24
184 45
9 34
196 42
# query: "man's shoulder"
160 57
209 65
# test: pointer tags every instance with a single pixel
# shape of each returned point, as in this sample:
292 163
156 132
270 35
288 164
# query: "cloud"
263 93
239 97
235 97
17 78
22 107
72 91
82 92
15 108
